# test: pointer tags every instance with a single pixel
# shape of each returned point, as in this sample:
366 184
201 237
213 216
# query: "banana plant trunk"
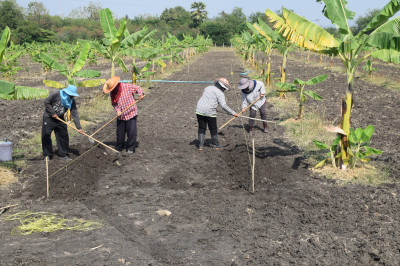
347 105
283 74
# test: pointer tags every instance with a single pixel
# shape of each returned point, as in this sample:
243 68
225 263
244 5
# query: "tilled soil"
292 217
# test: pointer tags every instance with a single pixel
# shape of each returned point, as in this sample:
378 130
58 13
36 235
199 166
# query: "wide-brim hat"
71 90
245 83
223 82
111 84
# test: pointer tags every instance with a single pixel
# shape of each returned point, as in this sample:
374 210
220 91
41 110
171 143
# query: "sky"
310 9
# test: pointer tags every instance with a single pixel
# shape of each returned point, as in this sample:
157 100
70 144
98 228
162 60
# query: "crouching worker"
251 91
206 111
58 105
122 96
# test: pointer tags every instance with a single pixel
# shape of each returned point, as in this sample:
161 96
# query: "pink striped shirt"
126 99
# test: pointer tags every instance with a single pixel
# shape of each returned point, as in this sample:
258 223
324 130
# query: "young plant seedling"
298 86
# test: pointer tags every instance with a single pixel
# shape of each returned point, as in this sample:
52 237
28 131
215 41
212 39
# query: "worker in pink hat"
122 96
206 111
251 91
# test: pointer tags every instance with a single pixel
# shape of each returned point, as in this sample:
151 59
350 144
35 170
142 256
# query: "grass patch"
365 175
7 177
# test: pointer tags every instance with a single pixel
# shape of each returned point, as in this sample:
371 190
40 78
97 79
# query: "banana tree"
298 86
76 71
379 39
266 46
117 41
8 90
280 43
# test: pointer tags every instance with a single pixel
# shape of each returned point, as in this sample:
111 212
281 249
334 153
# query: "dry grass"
7 178
366 175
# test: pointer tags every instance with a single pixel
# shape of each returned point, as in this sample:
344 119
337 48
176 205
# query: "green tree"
10 14
219 32
362 21
38 13
30 31
176 16
199 14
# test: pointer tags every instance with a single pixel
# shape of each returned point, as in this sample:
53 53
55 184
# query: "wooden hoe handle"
241 112
126 109
71 126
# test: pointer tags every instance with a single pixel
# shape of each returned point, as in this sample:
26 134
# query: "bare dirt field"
293 217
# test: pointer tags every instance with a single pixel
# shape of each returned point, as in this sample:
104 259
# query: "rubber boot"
250 130
201 141
265 128
214 140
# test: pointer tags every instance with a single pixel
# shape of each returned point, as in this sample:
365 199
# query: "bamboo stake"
267 121
83 133
47 176
241 112
253 168
9 206
126 109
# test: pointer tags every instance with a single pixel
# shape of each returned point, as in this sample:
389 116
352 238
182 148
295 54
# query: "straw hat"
111 84
223 82
245 83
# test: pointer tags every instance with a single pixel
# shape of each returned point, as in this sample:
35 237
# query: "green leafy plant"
368 67
298 86
332 150
76 71
8 90
359 148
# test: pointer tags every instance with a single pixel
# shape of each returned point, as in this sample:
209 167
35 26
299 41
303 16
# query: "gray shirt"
247 99
208 103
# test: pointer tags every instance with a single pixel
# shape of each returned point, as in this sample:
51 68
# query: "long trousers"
253 113
126 127
62 138
203 121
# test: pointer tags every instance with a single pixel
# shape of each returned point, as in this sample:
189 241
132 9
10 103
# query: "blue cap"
71 90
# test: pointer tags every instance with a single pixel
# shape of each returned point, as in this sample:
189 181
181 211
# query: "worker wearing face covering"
60 104
251 90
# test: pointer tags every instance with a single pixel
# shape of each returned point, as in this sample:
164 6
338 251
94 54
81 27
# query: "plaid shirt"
126 99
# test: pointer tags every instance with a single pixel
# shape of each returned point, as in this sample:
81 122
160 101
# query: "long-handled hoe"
123 111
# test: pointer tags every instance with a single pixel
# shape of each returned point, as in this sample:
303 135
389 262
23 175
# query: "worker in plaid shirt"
123 101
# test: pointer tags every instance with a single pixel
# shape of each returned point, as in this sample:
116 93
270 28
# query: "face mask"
246 90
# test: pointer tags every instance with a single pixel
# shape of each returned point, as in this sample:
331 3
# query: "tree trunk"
347 105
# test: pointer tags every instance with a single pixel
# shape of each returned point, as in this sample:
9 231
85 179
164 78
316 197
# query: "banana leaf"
316 80
88 73
80 62
336 11
390 56
380 19
53 84
5 38
122 64
53 64
313 95
91 83
28 93
392 26
107 24
6 90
